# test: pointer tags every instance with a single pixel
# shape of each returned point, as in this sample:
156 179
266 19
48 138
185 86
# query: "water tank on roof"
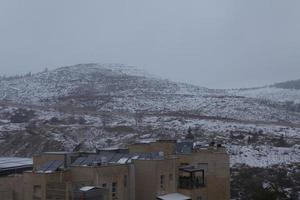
161 154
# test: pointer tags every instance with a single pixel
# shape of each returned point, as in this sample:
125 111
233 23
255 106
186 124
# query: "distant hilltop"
295 84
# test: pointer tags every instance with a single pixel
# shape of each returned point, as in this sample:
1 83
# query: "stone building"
202 173
11 178
161 170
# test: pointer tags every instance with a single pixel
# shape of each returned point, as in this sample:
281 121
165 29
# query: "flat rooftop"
11 165
115 158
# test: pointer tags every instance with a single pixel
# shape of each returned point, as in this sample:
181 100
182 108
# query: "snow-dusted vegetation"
100 105
94 106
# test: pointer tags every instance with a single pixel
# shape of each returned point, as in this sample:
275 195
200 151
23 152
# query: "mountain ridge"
107 87
292 84
102 106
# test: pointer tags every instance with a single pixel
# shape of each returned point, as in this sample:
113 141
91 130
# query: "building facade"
155 170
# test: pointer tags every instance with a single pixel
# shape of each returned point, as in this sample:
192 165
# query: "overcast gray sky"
213 43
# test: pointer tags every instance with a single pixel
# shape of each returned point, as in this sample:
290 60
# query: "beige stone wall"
148 178
50 186
11 187
97 176
217 174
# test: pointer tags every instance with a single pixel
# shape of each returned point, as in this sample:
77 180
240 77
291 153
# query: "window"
37 192
170 177
114 190
162 182
104 185
125 181
184 164
199 198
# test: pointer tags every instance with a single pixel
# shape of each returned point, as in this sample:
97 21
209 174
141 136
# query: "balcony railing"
191 182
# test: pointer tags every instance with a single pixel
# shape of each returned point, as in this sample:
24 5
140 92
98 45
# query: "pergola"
191 177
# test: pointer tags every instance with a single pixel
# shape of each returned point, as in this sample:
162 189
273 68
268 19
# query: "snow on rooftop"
87 188
123 160
10 162
58 152
174 196
146 141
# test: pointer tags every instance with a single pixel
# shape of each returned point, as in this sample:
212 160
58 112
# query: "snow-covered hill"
97 87
100 105
93 80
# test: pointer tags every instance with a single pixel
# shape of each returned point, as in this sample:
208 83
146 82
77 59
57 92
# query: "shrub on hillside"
22 116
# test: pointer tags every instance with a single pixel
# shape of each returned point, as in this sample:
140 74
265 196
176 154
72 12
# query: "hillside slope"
94 87
96 105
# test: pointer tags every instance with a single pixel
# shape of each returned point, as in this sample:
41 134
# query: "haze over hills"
107 105
283 92
294 84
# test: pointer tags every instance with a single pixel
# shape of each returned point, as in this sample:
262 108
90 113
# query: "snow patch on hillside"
263 156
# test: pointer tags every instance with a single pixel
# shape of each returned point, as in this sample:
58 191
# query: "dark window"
162 182
125 181
192 180
104 185
184 164
114 190
171 177
37 192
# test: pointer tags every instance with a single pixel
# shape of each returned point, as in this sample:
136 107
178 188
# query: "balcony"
191 177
